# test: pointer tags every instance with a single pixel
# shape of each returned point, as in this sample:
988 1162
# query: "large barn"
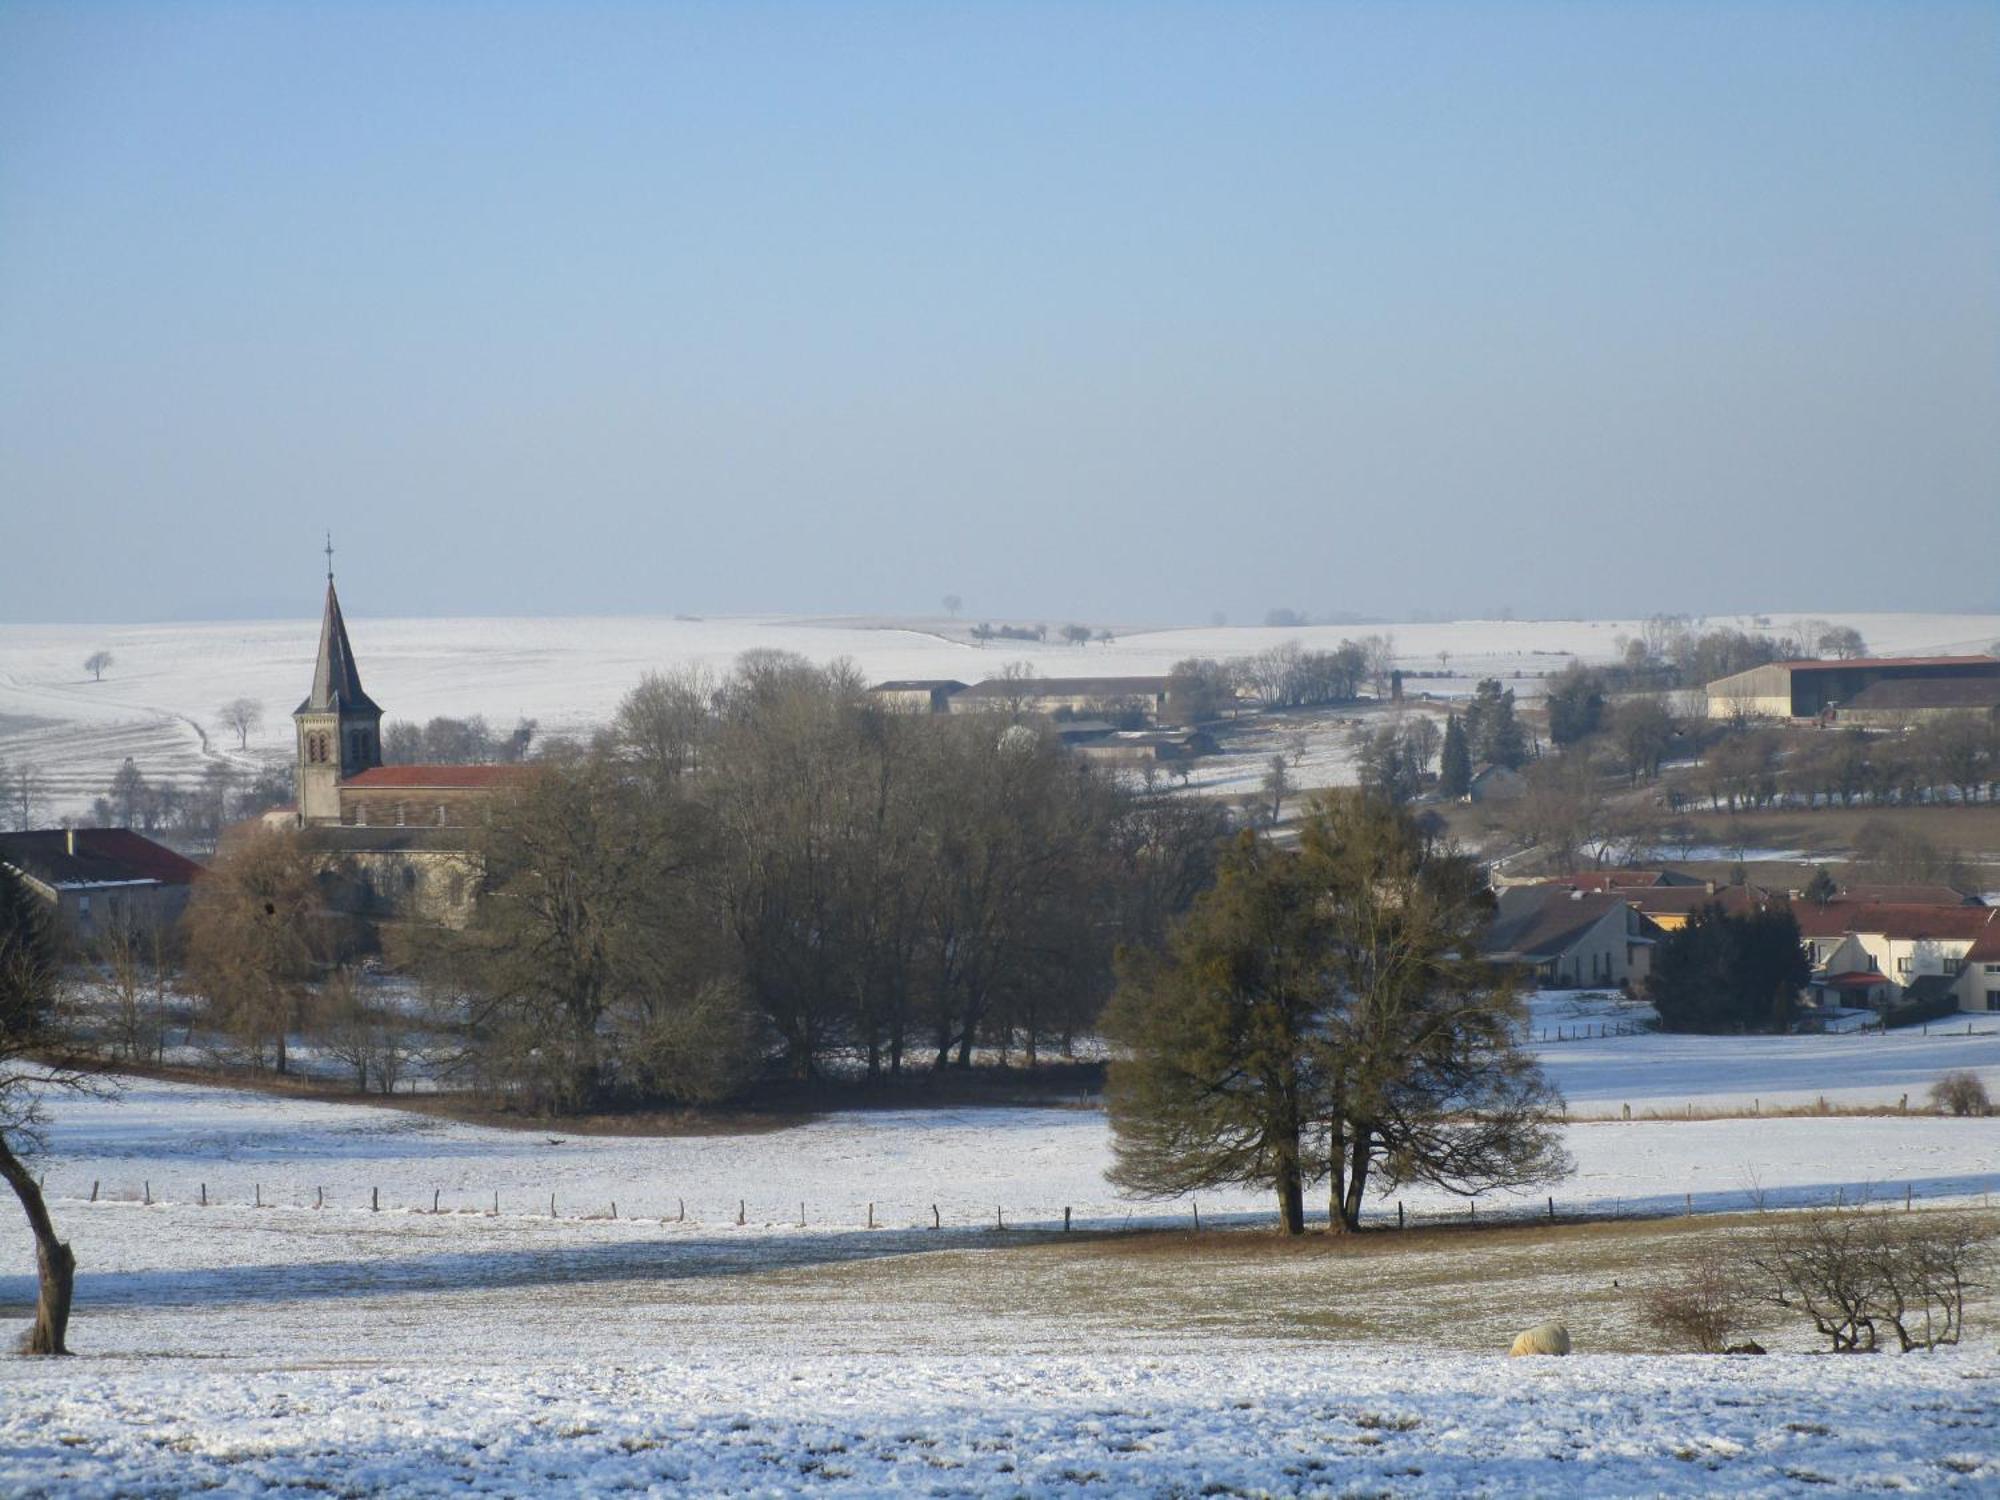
1816 689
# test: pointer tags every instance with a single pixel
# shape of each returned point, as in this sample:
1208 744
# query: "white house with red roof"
1885 953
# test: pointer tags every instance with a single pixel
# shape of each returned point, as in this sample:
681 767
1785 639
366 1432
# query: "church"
396 841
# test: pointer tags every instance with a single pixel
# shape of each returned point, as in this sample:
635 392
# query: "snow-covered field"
1326 1423
158 702
674 1350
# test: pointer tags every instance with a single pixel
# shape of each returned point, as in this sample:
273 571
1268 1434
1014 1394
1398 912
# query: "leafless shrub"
1961 1093
1861 1275
1704 1304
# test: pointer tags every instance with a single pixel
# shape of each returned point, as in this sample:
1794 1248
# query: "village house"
99 880
1886 954
1571 939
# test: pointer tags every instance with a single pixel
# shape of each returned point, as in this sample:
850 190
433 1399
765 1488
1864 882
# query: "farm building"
1114 698
96 880
918 695
1905 689
1563 939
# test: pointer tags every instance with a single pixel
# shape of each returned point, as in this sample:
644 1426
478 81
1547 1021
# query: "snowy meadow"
520 1339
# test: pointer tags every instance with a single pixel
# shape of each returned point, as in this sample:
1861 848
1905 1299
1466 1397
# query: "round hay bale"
1543 1338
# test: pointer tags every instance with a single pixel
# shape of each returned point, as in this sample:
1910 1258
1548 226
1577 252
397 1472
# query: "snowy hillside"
158 702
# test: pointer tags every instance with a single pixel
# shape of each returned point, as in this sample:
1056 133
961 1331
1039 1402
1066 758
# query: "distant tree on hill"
1287 619
1200 689
952 605
1726 971
95 663
241 715
1843 641
1077 635
1454 760
982 632
128 794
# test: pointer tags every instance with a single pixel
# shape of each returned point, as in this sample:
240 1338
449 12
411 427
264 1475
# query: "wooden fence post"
204 1195
93 1190
258 1199
1065 1218
149 1194
1907 1191
614 1209
374 1200
319 1197
1552 1208
739 1213
1399 1213
999 1218
436 1193
802 1214
496 1203
552 1205
871 1216
936 1222
681 1216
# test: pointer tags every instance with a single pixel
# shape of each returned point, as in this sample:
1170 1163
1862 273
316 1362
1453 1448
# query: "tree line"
763 870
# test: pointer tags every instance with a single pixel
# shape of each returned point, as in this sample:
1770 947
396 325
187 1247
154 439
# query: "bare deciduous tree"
95 663
242 715
31 1027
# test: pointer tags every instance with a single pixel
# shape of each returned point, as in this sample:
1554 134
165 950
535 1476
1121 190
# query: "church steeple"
339 725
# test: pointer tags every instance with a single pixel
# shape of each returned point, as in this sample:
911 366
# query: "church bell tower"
339 726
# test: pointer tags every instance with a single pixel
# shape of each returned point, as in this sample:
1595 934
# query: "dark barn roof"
95 856
1538 923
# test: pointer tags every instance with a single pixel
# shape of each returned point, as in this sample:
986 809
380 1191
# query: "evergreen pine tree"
1455 761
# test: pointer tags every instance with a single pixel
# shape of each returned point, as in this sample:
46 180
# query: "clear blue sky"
1127 312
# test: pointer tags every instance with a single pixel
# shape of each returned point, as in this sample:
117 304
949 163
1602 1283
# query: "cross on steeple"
329 557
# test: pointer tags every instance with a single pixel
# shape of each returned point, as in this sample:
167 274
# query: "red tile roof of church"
438 778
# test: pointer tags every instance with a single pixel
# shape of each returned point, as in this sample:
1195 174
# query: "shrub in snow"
1961 1093
1702 1306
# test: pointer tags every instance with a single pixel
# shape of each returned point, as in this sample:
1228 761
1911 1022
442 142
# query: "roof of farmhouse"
1897 921
1066 687
79 858
919 685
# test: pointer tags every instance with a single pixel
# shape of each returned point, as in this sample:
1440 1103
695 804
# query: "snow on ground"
354 1351
158 703
1343 1422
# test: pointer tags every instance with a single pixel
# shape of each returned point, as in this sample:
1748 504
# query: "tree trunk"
1337 1177
1291 1199
1357 1177
55 1262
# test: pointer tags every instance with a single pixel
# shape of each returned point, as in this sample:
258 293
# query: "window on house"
1904 966
1954 965
83 908
1993 999
1993 968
